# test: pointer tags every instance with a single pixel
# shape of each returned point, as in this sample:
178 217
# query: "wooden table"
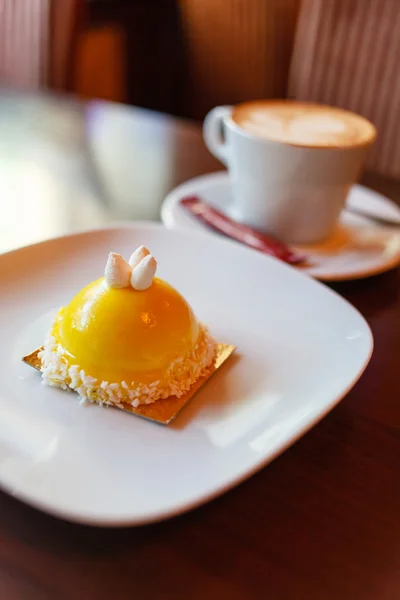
321 522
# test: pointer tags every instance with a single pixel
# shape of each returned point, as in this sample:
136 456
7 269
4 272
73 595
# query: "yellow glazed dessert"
128 337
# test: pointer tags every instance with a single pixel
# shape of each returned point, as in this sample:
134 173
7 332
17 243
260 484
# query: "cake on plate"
127 338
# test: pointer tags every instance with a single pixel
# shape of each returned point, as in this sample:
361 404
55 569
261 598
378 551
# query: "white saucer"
300 348
359 248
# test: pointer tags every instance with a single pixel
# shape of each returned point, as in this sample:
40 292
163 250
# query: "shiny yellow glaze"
125 335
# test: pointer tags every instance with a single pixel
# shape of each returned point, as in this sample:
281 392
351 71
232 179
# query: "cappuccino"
303 124
291 164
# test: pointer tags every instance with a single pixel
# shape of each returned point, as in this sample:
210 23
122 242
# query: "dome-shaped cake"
127 338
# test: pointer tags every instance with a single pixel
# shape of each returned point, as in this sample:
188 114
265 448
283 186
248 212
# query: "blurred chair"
348 54
235 50
340 52
38 40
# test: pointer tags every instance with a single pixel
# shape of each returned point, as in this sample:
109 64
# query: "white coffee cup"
291 186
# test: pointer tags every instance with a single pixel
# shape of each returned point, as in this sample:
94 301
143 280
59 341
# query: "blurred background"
185 56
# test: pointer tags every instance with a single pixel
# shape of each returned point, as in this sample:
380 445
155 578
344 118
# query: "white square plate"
300 348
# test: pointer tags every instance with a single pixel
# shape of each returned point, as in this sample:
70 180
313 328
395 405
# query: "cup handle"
213 133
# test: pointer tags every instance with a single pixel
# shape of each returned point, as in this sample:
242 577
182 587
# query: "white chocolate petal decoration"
142 275
117 272
138 256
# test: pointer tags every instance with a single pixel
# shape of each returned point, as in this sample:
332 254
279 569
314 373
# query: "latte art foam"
303 124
